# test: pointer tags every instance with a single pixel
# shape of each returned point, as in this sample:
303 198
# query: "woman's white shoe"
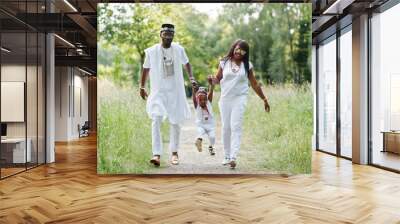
174 159
225 161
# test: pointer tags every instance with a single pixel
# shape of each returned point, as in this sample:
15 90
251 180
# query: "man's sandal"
198 144
155 160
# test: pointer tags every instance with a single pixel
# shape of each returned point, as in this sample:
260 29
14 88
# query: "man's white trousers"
174 130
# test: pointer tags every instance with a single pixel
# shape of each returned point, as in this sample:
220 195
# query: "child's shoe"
211 150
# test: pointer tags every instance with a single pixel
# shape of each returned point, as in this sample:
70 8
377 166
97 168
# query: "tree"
303 46
127 26
279 36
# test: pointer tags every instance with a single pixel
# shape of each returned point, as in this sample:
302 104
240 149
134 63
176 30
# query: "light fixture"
64 40
70 5
84 71
337 7
80 51
5 50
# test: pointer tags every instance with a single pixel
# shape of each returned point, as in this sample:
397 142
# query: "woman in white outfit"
234 73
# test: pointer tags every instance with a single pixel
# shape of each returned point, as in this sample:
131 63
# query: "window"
346 92
385 88
22 76
327 95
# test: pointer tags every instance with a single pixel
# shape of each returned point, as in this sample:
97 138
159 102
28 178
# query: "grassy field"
124 135
280 141
276 142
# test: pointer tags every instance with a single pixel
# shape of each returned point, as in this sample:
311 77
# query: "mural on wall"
204 88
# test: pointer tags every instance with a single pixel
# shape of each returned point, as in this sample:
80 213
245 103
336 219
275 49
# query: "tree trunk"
292 64
142 55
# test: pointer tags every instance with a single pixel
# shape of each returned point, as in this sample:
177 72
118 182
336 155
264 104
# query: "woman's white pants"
232 111
174 130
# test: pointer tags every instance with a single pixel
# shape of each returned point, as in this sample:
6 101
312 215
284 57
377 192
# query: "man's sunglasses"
167 34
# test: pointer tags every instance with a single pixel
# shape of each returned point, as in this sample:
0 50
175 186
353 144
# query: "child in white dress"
204 117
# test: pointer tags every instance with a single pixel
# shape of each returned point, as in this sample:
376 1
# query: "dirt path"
193 162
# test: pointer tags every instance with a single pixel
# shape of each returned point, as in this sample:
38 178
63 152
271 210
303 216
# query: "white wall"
14 72
70 83
80 83
33 126
62 81
13 101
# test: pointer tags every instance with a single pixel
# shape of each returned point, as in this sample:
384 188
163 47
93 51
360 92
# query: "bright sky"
210 8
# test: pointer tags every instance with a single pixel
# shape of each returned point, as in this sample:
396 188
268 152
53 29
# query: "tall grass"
124 137
280 140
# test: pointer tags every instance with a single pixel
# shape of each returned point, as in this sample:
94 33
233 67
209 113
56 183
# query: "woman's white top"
167 91
203 118
234 80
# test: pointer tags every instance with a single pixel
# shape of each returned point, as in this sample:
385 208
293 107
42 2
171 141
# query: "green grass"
124 135
280 141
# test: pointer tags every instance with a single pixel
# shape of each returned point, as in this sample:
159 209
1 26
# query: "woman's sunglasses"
240 51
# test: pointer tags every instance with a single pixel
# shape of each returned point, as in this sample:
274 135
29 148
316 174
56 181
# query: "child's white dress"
205 122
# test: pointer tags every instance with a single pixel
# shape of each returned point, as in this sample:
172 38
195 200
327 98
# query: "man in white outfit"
167 99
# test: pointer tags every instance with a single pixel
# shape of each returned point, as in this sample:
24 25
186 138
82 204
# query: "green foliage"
279 36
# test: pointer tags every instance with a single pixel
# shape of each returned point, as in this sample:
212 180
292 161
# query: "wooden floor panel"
70 191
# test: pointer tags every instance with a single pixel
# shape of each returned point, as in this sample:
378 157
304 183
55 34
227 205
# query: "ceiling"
73 21
329 15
